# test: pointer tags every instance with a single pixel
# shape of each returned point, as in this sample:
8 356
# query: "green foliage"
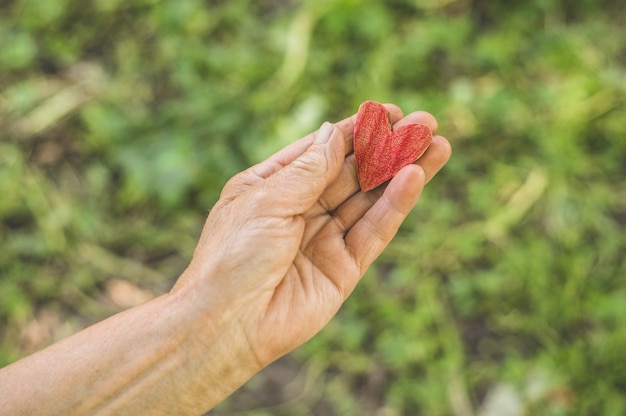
122 120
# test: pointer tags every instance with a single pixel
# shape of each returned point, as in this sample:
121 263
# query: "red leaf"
380 151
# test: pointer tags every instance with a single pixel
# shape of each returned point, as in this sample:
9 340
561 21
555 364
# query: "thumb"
297 186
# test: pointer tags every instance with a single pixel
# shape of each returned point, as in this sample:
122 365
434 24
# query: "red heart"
380 151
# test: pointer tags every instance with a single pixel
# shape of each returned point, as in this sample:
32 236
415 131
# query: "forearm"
152 359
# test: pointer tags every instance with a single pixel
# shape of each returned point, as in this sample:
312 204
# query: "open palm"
290 238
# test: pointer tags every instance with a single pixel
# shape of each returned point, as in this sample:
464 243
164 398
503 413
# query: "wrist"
218 355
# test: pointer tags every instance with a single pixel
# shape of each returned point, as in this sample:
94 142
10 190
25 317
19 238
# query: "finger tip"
416 172
419 117
395 111
428 119
444 147
410 177
406 187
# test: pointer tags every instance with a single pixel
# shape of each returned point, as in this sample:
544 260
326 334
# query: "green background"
120 121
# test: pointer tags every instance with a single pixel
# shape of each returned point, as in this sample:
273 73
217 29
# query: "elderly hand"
281 250
290 238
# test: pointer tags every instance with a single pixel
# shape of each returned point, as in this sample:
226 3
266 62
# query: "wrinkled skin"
281 250
318 232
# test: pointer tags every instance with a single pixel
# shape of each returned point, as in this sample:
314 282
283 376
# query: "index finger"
288 154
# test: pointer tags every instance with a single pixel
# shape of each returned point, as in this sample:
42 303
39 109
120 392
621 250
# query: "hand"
281 250
291 237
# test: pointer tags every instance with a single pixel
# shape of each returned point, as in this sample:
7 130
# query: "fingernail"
323 134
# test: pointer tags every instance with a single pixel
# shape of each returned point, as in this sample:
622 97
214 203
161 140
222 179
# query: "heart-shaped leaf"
380 151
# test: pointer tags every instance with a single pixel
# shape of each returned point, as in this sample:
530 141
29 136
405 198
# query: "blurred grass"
121 121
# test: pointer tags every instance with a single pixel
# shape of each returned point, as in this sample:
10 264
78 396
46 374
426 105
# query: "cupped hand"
290 237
